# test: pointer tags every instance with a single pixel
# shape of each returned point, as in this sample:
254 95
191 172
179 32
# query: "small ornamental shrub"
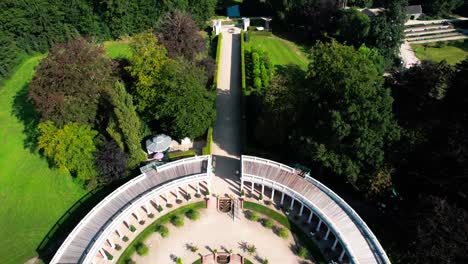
207 192
197 195
242 193
159 208
268 223
142 222
188 197
192 214
162 230
169 205
251 249
265 261
193 248
129 261
132 228
283 232
260 197
303 252
108 255
252 216
151 215
141 249
125 239
118 247
177 221
178 260
178 201
267 202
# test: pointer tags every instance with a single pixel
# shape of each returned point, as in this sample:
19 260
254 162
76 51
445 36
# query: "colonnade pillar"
282 198
310 217
342 255
335 244
272 194
302 209
319 225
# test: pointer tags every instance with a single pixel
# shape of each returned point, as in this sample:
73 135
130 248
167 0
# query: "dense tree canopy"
438 8
351 122
111 162
353 27
71 148
68 83
9 53
179 33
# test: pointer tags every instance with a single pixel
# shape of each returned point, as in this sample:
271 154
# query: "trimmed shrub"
303 252
177 221
132 228
151 215
169 205
268 223
125 239
159 208
260 197
118 247
178 201
108 255
282 232
142 222
207 150
129 261
162 230
181 154
197 195
218 55
242 46
188 197
178 260
192 214
252 216
141 249
267 202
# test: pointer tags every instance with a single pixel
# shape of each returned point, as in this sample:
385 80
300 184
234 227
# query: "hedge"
207 150
130 250
242 45
218 55
180 155
295 229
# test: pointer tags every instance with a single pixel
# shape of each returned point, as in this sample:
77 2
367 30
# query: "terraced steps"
436 37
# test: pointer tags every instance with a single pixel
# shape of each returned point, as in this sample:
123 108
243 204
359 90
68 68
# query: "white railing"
354 216
113 222
269 162
368 234
114 194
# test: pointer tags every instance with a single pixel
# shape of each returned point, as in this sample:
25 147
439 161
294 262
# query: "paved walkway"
408 56
218 231
226 137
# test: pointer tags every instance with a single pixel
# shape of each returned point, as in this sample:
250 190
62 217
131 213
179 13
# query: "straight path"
408 56
226 134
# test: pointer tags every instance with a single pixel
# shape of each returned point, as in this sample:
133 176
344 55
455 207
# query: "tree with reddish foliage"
69 82
111 162
179 33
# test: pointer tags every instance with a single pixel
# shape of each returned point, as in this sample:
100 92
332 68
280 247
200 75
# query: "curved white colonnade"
357 240
86 241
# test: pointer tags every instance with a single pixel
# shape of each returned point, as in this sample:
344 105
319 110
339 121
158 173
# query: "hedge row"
242 45
181 154
295 229
207 150
130 250
218 56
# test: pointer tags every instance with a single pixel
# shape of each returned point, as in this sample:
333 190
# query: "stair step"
439 39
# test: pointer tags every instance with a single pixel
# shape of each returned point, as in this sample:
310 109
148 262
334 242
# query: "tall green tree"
69 82
202 10
348 119
148 58
439 8
9 54
71 148
352 27
184 107
128 124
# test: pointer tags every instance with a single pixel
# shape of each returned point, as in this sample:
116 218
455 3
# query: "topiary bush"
169 205
177 221
162 230
141 249
132 228
125 239
252 216
192 214
118 247
282 232
159 208
178 201
303 252
268 223
197 195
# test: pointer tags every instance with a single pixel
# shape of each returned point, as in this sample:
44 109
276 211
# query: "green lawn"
451 51
281 51
118 49
33 196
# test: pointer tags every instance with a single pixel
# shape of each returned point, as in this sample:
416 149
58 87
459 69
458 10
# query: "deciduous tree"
352 27
111 162
69 82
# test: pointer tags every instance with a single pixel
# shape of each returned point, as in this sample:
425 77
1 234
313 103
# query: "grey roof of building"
414 9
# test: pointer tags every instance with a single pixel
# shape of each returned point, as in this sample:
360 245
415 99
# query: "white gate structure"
87 240
349 230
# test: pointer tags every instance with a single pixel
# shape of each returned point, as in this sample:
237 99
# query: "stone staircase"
442 31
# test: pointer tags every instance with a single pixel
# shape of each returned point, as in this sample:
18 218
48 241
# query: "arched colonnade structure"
343 226
107 222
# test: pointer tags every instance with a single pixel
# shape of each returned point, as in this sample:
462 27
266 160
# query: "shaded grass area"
281 51
40 204
130 250
295 229
451 51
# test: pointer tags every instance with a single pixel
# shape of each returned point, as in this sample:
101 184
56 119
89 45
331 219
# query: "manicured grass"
451 51
33 196
281 51
118 49
130 250
296 230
